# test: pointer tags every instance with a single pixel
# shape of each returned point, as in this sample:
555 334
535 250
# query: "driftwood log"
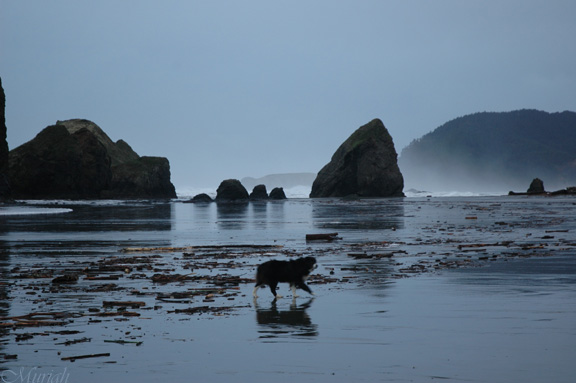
322 237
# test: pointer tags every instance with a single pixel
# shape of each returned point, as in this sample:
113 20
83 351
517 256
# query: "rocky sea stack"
231 190
365 165
277 193
4 182
259 193
75 159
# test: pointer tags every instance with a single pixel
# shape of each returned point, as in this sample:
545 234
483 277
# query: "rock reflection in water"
4 296
232 215
120 217
370 214
259 214
276 323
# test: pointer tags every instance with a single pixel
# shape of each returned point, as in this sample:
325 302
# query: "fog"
234 89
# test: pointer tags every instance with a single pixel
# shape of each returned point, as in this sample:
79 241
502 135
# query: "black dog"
294 272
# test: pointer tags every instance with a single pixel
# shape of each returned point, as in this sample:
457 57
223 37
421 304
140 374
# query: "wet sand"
416 290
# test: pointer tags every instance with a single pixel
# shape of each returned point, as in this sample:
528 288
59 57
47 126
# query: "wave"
412 193
30 210
302 191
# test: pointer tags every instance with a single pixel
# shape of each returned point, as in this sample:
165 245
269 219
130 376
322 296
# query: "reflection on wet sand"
277 323
232 215
359 215
85 218
4 296
259 214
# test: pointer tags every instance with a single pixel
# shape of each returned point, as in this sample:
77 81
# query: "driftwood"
370 256
117 313
322 237
65 279
476 245
81 340
201 310
123 303
37 319
137 343
114 277
73 358
33 323
185 248
167 278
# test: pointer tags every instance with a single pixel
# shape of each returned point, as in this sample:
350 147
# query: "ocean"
458 288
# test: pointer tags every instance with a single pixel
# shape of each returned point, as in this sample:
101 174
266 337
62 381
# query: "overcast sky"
228 89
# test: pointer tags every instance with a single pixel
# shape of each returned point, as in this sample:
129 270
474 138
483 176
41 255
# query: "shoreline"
107 287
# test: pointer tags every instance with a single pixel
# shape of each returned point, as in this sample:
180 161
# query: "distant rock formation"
536 187
570 190
231 190
494 151
75 159
4 181
277 193
365 165
259 193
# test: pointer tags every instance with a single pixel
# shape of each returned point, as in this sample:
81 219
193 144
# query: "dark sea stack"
231 190
75 159
201 198
145 177
57 164
120 152
4 181
536 187
259 193
365 165
133 176
277 194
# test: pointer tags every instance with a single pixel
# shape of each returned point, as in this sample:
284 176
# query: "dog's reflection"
276 323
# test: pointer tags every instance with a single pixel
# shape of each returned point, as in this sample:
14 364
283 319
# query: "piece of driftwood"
178 249
475 245
167 278
33 323
121 341
38 319
113 277
65 279
370 256
116 313
322 237
74 341
123 303
73 358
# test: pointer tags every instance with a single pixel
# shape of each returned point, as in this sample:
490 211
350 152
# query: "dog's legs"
304 287
255 292
293 287
273 286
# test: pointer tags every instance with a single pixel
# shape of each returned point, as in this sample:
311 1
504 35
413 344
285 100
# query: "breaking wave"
30 210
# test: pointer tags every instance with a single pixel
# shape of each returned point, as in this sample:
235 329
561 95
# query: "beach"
412 290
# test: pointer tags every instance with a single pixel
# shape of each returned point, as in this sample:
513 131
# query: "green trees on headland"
490 150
